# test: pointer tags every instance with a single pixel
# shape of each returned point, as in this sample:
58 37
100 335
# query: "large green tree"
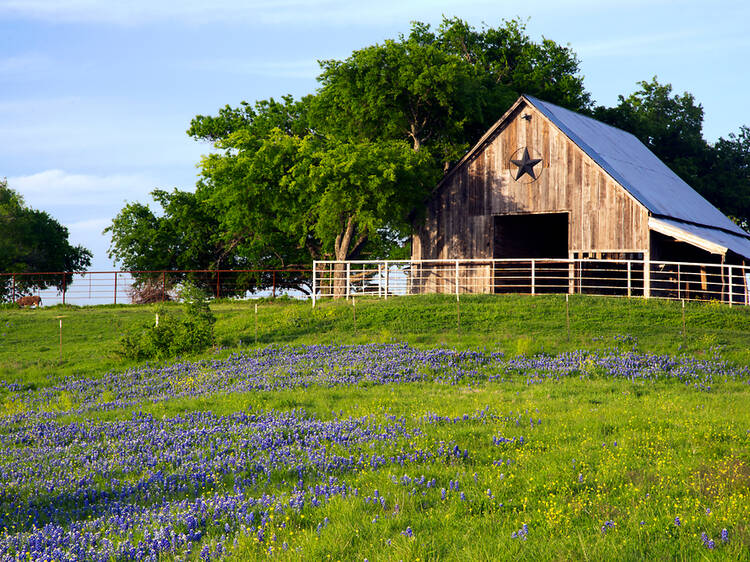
671 125
343 173
31 241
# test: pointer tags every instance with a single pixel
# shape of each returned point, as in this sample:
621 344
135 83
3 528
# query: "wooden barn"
546 182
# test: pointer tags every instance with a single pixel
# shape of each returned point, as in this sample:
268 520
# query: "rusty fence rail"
725 283
124 287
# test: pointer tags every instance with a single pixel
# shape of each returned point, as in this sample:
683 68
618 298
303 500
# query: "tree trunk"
341 248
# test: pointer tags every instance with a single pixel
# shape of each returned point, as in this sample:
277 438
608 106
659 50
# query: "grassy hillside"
628 439
30 350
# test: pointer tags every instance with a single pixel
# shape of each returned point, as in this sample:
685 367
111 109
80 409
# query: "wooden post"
115 287
679 282
387 277
60 359
533 277
354 313
684 331
348 280
63 291
567 315
630 284
256 322
458 315
646 275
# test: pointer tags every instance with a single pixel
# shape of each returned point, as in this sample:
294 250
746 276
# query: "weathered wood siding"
603 216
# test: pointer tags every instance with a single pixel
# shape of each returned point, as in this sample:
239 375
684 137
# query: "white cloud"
277 69
698 40
89 225
54 188
257 12
27 64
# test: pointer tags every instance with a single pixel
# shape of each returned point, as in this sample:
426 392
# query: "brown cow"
29 300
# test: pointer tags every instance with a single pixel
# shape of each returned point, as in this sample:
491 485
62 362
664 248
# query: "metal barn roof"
647 178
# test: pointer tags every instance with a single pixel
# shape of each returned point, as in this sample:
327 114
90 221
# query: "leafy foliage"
31 242
171 335
672 127
344 173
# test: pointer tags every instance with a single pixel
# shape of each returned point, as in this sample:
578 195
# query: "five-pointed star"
526 165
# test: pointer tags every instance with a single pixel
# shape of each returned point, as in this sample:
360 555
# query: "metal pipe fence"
124 287
725 283
385 279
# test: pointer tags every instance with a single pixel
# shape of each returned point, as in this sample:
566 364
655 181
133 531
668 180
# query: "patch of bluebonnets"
143 488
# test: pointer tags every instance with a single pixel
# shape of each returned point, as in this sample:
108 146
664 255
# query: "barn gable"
615 196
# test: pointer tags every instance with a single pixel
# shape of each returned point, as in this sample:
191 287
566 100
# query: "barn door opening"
539 236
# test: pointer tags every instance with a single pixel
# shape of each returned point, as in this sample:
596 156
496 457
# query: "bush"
150 291
171 335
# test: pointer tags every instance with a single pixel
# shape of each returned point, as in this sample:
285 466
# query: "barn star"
526 165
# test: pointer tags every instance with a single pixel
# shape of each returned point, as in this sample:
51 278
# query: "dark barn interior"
530 235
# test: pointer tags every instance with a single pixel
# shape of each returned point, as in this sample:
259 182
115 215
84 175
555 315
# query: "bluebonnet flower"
522 533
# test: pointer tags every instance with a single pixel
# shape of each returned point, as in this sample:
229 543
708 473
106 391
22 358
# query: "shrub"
150 291
171 334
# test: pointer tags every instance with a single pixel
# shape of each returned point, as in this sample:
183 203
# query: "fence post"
629 278
456 279
387 276
571 275
679 282
115 288
731 292
274 283
13 290
348 280
380 280
64 288
315 281
533 277
646 275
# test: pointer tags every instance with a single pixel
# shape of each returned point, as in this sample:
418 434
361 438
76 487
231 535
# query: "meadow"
398 435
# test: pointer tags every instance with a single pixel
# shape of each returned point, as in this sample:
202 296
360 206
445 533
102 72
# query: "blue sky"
96 95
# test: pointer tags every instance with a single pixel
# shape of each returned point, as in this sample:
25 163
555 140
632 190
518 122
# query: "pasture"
401 435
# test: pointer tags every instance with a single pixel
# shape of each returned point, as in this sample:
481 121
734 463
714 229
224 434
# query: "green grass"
30 343
676 454
645 452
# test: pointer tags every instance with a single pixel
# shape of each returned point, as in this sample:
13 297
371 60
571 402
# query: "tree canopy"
345 172
32 241
672 127
342 173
